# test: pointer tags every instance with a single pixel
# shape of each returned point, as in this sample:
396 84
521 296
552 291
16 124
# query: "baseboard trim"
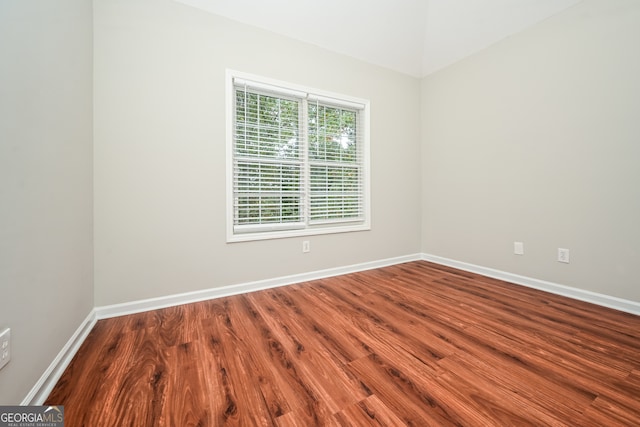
50 377
40 391
139 306
554 288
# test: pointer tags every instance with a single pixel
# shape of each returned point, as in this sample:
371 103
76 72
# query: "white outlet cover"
5 347
563 255
518 248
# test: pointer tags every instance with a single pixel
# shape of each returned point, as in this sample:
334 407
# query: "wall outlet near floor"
5 347
563 255
306 246
518 248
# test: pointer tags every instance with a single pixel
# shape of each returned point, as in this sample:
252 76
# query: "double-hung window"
297 160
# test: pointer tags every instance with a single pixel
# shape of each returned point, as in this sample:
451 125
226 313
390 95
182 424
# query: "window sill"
270 235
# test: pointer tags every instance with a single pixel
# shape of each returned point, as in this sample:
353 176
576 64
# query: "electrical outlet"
5 347
563 255
306 246
518 248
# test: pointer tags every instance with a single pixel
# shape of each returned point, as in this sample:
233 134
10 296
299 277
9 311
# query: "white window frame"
306 228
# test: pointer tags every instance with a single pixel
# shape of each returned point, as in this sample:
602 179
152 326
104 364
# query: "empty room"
338 213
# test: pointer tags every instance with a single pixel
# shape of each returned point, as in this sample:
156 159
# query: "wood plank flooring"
414 344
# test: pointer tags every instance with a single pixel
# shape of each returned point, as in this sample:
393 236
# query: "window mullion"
281 171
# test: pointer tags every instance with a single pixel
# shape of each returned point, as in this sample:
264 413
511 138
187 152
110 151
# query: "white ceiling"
415 37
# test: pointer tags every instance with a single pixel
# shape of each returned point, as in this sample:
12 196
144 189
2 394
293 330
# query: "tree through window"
298 162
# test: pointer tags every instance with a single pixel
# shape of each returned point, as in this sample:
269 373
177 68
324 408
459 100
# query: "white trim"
139 306
40 391
616 303
299 232
303 93
293 87
269 88
229 124
47 381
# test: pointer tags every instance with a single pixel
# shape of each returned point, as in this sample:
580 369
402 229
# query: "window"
297 160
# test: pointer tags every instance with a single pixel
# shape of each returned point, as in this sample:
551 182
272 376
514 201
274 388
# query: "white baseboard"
122 309
40 391
47 381
554 288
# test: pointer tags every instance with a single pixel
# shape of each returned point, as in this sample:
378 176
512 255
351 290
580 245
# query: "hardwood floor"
414 344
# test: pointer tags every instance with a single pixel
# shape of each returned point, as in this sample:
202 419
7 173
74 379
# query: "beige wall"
160 152
534 139
537 139
45 182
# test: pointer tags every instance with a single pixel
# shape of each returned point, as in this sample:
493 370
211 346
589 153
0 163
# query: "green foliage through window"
295 161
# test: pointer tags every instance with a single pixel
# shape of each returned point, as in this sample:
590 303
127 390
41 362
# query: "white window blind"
335 164
297 161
